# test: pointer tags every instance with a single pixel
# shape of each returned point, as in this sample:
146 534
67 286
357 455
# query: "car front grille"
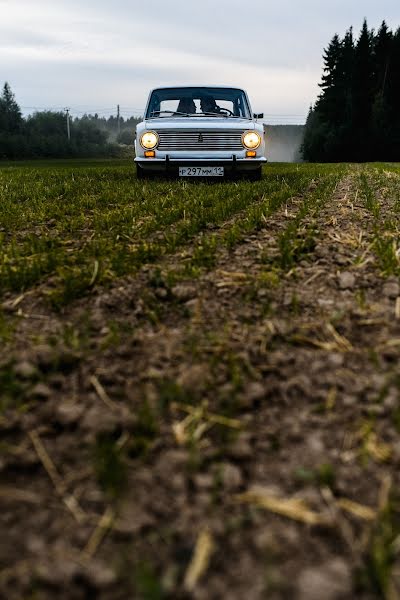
178 139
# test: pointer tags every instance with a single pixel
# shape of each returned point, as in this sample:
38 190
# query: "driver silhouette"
208 105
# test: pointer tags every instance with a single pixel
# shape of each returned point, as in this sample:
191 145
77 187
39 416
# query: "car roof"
172 87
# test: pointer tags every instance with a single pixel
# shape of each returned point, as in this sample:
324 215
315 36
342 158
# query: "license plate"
201 171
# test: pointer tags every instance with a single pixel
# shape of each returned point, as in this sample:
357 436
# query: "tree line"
45 134
357 114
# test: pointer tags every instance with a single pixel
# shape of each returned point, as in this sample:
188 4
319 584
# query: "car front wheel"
141 173
255 175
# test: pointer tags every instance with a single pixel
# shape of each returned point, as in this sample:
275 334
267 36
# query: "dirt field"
199 384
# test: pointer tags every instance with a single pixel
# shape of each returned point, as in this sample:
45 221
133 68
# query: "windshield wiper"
170 112
212 114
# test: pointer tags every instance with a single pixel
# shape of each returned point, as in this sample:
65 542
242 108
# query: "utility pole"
118 122
68 129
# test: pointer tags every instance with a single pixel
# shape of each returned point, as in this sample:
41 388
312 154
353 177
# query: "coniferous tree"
327 103
345 144
318 139
382 51
356 116
380 121
10 112
332 121
362 93
309 147
392 88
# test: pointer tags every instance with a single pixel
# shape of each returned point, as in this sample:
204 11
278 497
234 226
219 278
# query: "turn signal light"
149 154
251 154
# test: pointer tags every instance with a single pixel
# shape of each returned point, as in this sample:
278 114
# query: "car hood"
198 123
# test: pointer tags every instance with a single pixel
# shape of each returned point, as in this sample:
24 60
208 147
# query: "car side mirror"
258 115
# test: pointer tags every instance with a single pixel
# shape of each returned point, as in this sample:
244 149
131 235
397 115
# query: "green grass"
75 225
69 228
64 162
299 237
379 189
381 552
109 464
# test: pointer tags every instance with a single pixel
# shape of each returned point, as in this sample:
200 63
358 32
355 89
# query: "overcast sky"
91 56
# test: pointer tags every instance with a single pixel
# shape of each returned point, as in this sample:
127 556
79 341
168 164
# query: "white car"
199 131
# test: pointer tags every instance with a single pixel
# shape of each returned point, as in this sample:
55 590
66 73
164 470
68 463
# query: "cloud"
78 53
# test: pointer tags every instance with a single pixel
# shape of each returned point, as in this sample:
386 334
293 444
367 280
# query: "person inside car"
208 105
186 106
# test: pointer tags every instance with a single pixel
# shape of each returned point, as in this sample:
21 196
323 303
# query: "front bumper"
170 164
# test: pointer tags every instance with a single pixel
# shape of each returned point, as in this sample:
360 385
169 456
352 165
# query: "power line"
81 108
134 112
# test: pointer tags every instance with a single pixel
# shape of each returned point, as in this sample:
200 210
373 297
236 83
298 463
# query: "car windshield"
198 102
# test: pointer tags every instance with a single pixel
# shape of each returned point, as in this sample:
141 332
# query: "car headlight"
149 140
251 140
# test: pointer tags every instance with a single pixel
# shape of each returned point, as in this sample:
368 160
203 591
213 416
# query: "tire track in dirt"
320 363
323 387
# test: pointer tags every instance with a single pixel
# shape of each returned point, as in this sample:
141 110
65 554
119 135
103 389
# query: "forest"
356 116
45 134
